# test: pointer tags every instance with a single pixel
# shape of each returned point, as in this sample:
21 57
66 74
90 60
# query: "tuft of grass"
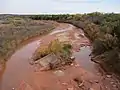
55 46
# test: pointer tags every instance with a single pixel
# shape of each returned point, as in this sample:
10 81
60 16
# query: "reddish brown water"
84 59
18 69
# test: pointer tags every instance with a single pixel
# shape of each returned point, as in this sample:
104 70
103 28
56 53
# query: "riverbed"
19 74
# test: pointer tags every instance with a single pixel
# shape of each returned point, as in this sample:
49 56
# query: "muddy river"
18 71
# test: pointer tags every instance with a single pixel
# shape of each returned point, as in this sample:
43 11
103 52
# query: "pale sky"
58 6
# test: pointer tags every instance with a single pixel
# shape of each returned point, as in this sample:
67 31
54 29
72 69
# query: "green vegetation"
14 30
102 29
61 50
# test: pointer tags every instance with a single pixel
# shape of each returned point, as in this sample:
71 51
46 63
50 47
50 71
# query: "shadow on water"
84 59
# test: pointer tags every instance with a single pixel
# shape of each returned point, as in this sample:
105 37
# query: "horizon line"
54 13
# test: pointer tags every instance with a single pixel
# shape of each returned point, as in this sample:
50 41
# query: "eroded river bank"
83 74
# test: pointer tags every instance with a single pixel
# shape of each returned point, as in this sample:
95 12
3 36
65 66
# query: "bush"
55 46
61 50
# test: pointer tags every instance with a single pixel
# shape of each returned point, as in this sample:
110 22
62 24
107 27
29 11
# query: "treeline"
56 17
103 29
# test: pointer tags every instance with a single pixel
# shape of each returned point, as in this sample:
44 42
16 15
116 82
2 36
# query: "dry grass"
18 30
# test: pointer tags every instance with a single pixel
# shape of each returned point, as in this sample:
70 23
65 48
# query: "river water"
17 67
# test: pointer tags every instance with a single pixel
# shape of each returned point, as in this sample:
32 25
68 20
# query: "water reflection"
84 59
